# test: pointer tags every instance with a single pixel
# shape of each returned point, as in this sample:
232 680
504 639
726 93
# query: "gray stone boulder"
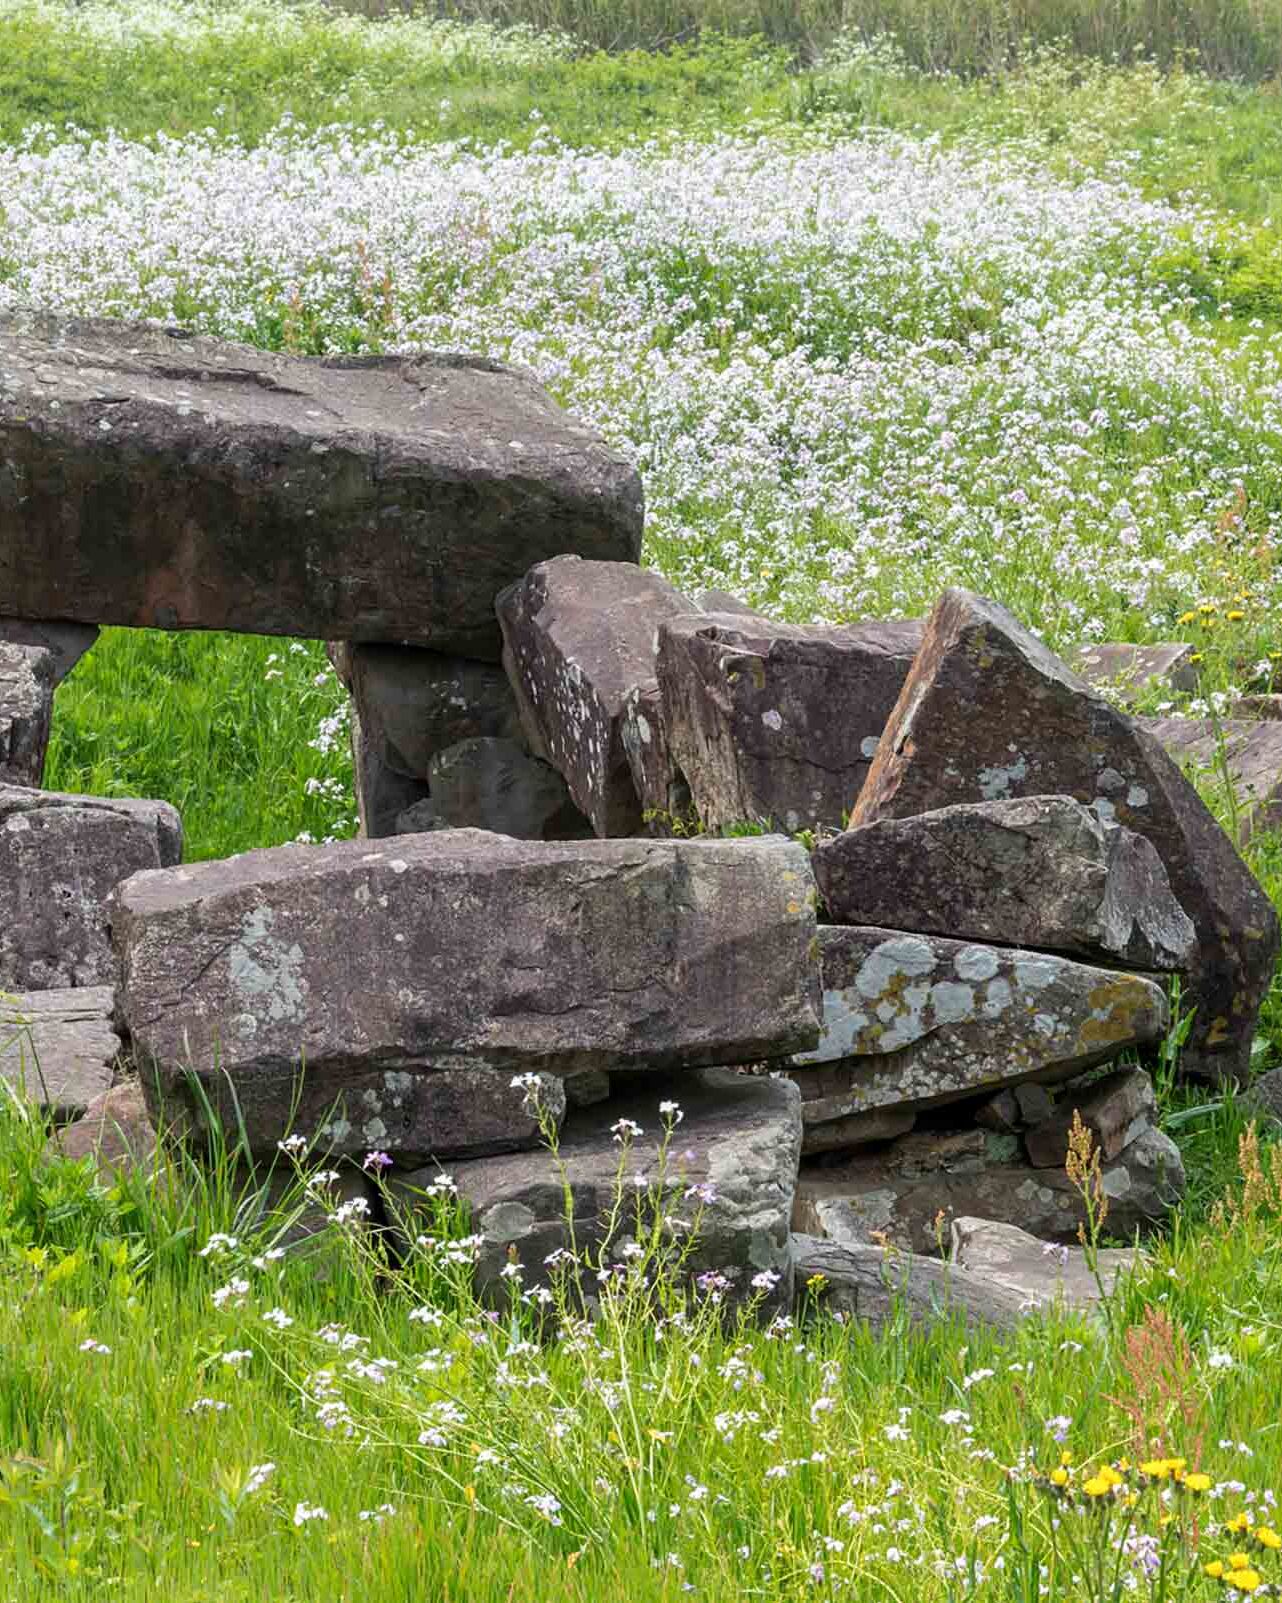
915 1021
911 1190
360 972
1127 671
579 639
59 1048
1263 1099
989 712
26 704
383 796
165 480
730 1169
67 642
773 721
1248 753
879 1285
1114 1109
495 785
115 1130
60 858
1033 871
1004 1255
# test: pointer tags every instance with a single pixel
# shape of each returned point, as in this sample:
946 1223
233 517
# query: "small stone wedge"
58 1048
26 706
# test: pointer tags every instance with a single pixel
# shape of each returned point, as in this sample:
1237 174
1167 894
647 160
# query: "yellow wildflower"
1158 1468
1207 606
1059 1477
1236 615
1187 617
1239 1561
1214 1569
1198 1482
1267 1537
1244 1580
1239 1522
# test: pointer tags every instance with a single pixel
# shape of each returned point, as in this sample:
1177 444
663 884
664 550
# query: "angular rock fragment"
1248 754
1128 670
60 858
1007 1256
67 642
413 703
1114 1110
579 639
871 1283
1258 707
732 1168
1263 1100
988 712
495 785
164 480
843 1134
774 721
383 796
115 1130
911 1190
911 1021
58 1048
375 968
26 703
1034 871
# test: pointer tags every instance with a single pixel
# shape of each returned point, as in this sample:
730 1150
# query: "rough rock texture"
115 1131
155 478
873 1283
59 1047
26 703
60 858
989 712
67 642
1035 871
1262 706
579 638
377 967
1007 1256
911 1021
413 703
1263 1100
774 721
1252 756
382 794
913 1188
854 1130
1115 1110
740 1135
1127 670
496 785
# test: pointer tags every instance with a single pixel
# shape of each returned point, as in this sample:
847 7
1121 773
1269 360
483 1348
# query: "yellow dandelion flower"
1059 1477
1066 1458
1195 656
1198 1482
1244 1580
1236 615
1239 1522
1158 1468
1097 1486
1186 617
1214 1569
1267 1537
1207 606
1239 1561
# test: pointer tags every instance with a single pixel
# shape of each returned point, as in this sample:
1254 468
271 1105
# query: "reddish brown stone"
988 711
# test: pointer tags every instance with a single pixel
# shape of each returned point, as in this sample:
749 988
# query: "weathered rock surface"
579 638
26 703
1007 1256
740 1138
1263 1099
413 703
862 1281
774 721
1128 670
495 785
911 1021
1258 706
1115 1110
1034 871
115 1130
165 480
383 795
912 1189
1252 756
379 967
989 712
67 642
1015 1109
854 1129
60 858
59 1047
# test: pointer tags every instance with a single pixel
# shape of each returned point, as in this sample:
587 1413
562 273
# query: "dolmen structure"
873 910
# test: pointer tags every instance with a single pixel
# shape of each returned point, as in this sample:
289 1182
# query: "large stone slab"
1007 1256
1247 753
911 1191
580 638
60 858
26 704
351 968
67 642
989 712
879 1286
155 478
775 721
1034 871
738 1142
1127 670
58 1048
912 1021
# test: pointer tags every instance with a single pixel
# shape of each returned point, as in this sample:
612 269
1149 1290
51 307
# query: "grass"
869 323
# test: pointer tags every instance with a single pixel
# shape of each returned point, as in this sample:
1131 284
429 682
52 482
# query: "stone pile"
884 1025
